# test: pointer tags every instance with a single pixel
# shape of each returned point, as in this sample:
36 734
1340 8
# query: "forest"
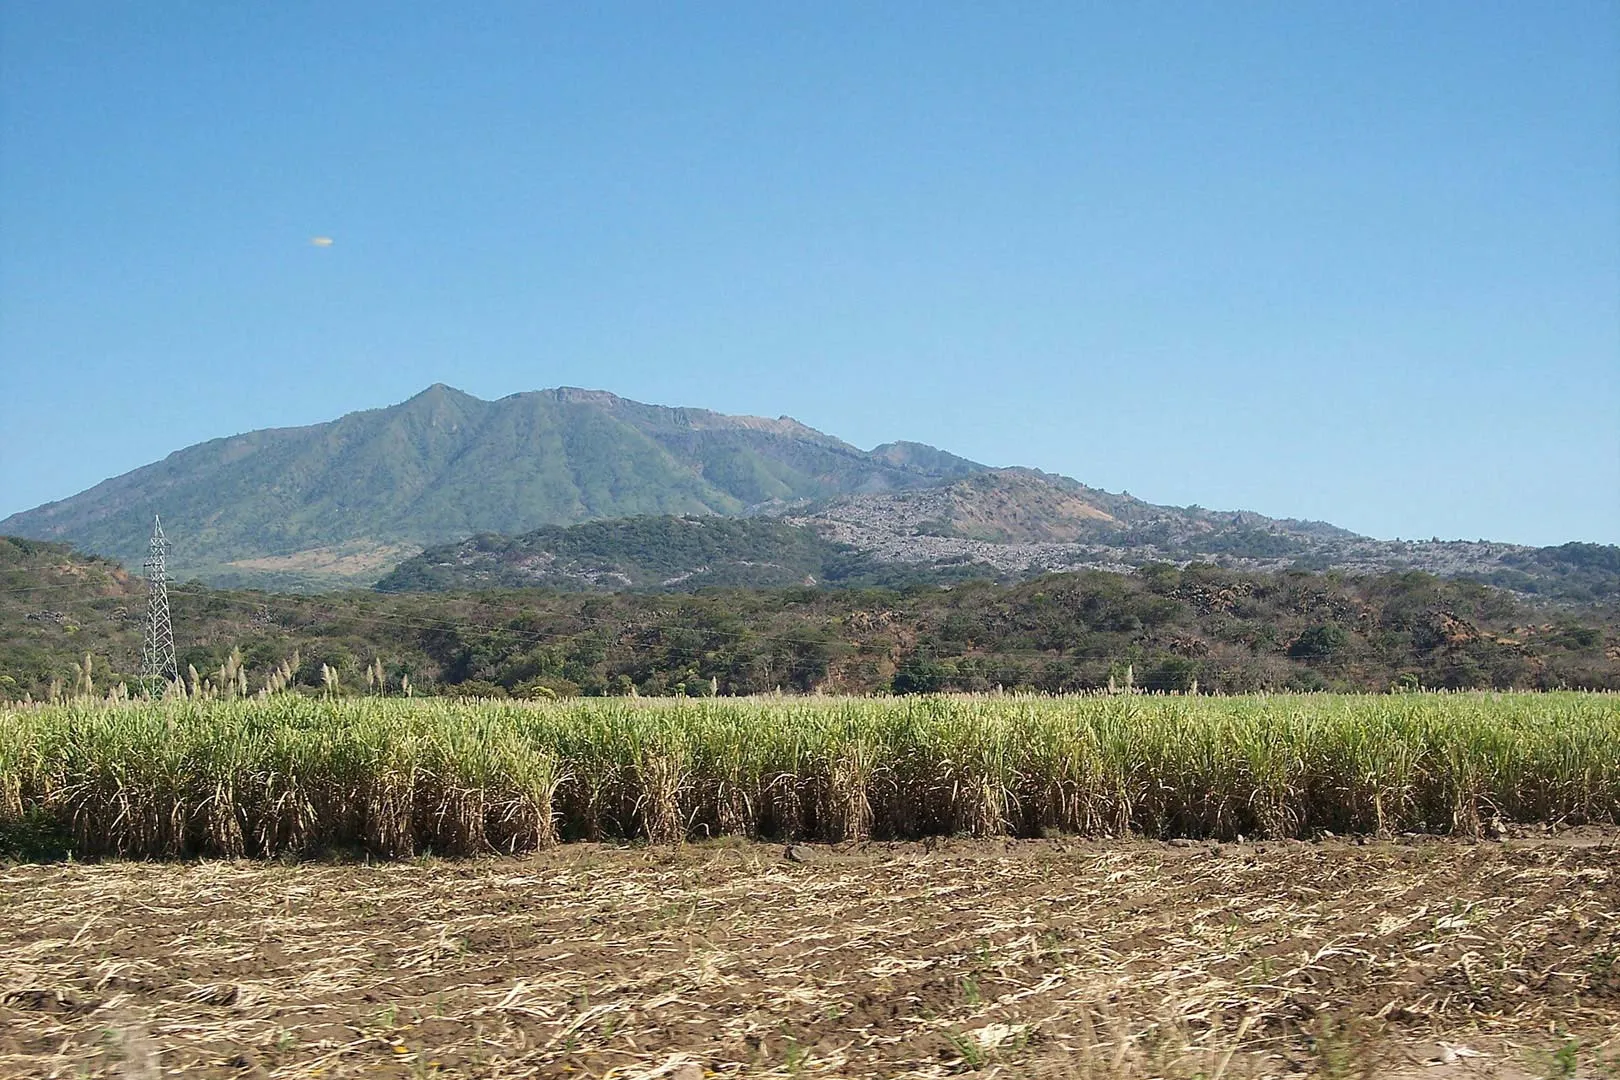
66 619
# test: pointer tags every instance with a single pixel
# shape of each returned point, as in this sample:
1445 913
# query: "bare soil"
1047 958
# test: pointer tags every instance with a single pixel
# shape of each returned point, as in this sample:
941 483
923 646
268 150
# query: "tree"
1319 642
920 674
1172 674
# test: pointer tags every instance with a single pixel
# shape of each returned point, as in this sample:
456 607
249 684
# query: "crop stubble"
1058 958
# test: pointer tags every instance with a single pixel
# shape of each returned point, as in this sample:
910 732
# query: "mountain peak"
442 390
334 503
579 395
929 459
444 465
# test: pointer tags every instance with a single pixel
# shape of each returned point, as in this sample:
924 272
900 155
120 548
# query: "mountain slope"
349 497
1014 518
679 554
341 503
1021 521
993 523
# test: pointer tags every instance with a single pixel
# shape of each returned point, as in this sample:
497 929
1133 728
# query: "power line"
45 588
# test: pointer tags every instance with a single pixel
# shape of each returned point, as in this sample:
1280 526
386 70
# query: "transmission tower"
158 664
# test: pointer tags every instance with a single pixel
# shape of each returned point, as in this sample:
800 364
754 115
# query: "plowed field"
1000 958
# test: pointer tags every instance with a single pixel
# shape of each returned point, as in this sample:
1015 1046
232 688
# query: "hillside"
988 524
1161 627
343 503
680 554
345 500
1021 521
992 523
56 603
995 524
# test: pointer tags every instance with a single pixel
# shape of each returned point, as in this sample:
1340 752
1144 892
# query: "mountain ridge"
444 464
341 502
945 534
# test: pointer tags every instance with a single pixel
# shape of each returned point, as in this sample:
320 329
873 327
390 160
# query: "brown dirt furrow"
1011 959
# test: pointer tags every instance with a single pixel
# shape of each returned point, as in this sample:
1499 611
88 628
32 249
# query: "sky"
1357 262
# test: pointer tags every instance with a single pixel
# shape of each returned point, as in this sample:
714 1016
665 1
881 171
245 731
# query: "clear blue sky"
1352 261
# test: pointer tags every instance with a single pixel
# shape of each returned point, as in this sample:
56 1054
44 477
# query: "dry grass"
1058 959
356 558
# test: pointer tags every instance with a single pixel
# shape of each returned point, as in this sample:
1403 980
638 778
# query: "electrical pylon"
158 665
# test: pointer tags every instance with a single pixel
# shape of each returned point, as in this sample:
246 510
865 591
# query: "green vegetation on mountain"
655 553
1581 572
928 459
346 499
1161 628
343 504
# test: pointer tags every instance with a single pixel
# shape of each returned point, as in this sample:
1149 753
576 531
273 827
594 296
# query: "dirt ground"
1052 958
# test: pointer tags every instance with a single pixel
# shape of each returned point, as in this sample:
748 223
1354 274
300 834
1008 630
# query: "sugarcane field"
1125 886
810 541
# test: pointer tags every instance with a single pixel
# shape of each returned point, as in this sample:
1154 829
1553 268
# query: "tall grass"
393 777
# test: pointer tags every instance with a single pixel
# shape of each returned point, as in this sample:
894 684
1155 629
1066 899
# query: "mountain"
984 523
927 459
672 554
343 501
998 524
628 553
1018 522
1018 519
